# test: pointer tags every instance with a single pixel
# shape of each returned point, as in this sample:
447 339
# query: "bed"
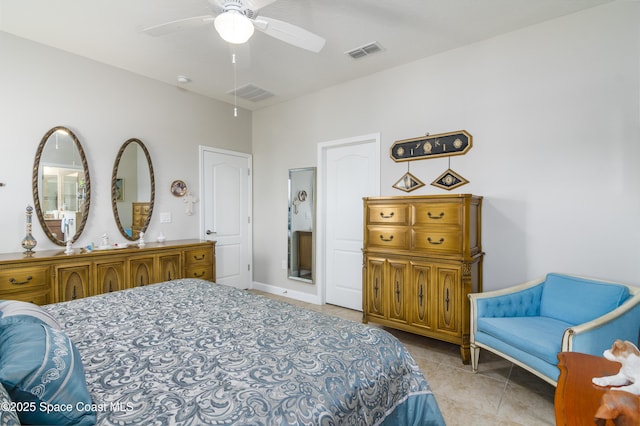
192 352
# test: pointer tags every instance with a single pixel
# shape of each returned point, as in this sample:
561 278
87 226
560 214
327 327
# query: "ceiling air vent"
366 50
251 93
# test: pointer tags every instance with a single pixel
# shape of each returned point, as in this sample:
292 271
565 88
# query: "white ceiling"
109 31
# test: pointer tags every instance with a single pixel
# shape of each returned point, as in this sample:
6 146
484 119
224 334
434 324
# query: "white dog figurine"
628 378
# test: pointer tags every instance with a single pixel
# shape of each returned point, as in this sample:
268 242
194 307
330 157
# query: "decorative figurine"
104 243
141 242
628 377
28 243
68 250
190 200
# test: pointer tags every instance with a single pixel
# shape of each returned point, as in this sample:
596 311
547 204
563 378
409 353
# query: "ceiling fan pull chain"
235 85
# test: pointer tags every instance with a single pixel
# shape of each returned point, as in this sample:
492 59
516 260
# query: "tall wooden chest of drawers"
422 256
139 216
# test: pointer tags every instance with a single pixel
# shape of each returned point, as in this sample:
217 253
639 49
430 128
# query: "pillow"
42 371
8 416
577 300
14 311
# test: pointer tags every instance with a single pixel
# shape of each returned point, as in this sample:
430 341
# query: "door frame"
201 150
321 224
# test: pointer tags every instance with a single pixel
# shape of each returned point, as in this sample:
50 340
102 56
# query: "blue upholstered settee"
531 323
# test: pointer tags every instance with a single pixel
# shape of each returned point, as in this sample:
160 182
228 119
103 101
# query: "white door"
225 212
350 170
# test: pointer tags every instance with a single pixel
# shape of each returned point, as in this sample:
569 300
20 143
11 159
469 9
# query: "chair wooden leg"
475 356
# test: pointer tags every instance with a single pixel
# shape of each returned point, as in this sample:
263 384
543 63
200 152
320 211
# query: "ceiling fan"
235 21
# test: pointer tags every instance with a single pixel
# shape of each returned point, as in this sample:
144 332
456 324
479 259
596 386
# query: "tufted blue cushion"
40 365
519 304
8 416
579 300
16 311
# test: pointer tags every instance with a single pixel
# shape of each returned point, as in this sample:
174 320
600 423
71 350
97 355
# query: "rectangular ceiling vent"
251 93
366 50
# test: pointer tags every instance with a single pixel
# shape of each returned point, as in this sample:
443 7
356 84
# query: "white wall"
554 111
41 87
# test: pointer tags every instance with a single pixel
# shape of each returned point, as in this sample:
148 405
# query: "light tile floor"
499 394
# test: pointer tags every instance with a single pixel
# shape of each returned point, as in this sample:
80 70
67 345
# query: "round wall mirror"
132 189
61 185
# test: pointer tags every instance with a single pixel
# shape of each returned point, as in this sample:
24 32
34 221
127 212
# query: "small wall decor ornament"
189 200
178 188
449 180
408 183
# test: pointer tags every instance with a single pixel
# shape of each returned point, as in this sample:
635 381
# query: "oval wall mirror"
61 185
132 189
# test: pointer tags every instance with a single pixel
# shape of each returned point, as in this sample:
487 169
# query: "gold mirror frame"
35 180
115 189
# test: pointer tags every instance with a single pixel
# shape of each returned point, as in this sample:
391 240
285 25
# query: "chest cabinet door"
170 267
141 271
72 282
109 277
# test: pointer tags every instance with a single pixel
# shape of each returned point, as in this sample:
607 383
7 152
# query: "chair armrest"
597 335
519 300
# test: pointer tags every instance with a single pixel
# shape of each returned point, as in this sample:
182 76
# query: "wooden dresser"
50 276
422 256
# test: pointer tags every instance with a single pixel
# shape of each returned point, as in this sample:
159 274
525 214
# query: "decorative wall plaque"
408 183
449 180
432 146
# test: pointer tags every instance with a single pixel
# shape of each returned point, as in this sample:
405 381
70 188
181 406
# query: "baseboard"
286 292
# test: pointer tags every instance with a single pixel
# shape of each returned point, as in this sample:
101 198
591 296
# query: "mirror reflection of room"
301 223
132 189
62 183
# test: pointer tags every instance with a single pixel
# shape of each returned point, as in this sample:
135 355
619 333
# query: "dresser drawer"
392 237
392 214
41 296
198 257
25 279
202 272
437 214
141 209
437 241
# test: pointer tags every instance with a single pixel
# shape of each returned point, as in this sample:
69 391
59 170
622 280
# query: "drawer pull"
13 280
440 216
387 216
195 257
386 239
435 242
198 275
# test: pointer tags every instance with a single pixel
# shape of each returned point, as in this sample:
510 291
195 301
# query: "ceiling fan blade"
179 25
290 33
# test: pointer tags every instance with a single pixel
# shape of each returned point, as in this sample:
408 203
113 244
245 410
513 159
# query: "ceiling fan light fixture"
234 27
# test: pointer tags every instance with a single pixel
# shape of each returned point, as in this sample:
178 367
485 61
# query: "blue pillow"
16 311
41 368
8 416
577 300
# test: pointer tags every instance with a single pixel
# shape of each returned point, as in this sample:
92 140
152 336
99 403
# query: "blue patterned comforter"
191 352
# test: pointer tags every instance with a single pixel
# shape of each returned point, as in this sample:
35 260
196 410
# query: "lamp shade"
233 27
